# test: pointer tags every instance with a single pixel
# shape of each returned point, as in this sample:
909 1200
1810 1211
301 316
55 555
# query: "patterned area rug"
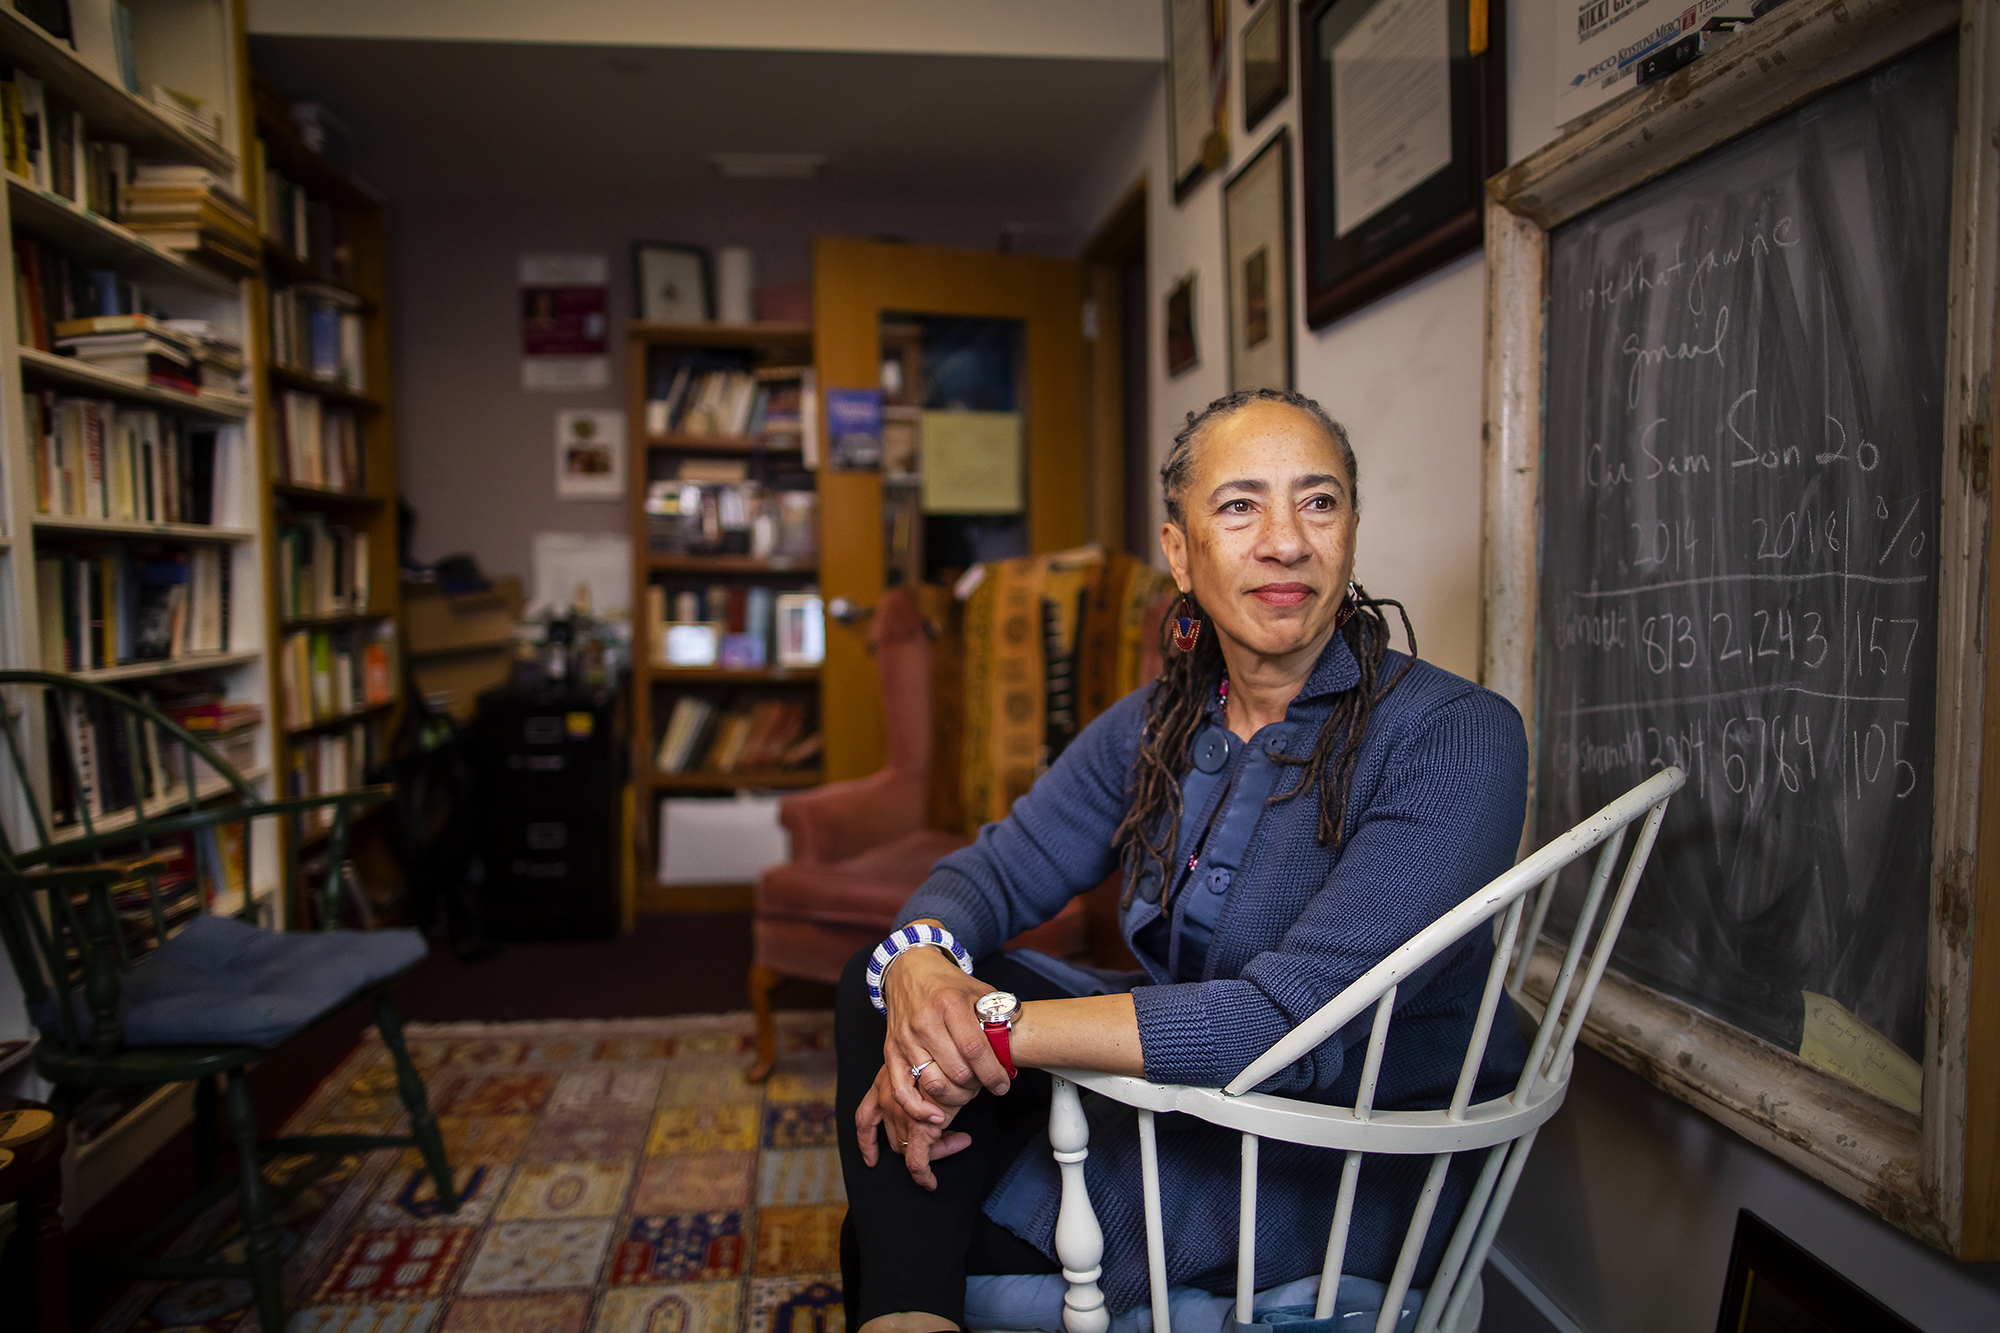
617 1177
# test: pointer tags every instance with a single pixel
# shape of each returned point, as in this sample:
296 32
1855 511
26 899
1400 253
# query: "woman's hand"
919 1142
931 1024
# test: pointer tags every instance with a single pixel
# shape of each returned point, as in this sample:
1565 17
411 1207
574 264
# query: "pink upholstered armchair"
860 848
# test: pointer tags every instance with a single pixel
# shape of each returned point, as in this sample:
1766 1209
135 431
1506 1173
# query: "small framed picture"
696 643
1267 63
1181 354
590 454
801 629
675 284
1257 240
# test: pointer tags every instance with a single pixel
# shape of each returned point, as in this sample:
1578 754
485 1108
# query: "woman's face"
1269 545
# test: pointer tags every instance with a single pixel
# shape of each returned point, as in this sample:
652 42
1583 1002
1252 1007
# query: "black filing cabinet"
550 774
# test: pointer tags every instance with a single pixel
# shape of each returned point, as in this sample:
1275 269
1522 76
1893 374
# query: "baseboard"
1541 1313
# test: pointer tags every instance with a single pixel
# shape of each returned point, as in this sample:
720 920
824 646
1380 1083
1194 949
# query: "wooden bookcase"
197 47
656 688
343 270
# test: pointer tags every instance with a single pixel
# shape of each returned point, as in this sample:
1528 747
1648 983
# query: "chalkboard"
1743 440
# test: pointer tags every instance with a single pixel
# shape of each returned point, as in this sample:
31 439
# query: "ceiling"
438 119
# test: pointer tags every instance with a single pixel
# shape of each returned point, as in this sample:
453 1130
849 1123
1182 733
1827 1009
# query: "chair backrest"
1504 1127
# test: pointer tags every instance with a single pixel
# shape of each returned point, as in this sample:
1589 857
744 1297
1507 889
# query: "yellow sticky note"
972 463
1841 1043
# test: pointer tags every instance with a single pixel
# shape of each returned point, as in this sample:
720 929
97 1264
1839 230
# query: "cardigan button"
1211 752
1149 886
1218 879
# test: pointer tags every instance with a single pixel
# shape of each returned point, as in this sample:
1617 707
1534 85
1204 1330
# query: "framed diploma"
1404 116
1257 241
1197 90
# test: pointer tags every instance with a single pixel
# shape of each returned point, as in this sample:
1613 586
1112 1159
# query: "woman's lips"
1282 594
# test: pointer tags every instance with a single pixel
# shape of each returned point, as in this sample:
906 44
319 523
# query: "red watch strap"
997 1034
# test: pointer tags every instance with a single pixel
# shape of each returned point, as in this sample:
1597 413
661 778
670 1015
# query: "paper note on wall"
972 463
1839 1042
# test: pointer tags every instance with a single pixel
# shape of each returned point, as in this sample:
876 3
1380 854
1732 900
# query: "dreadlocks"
1179 697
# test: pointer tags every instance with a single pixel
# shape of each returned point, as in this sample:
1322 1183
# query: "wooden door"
854 284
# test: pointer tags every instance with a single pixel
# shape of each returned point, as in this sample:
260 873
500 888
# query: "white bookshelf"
195 46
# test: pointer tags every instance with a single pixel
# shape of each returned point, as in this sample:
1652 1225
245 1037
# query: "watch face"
996 1007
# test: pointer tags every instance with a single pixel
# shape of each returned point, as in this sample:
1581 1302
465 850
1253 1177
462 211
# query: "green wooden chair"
128 993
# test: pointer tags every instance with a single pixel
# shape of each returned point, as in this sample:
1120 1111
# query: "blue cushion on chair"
223 982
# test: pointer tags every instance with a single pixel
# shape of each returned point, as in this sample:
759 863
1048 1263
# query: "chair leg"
260 1238
423 1125
1079 1238
205 1128
762 982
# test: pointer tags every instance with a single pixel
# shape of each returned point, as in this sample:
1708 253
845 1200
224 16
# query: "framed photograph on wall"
1267 62
1181 353
1197 90
1257 241
674 284
1404 116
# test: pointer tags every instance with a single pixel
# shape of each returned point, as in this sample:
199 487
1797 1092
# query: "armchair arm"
98 872
844 819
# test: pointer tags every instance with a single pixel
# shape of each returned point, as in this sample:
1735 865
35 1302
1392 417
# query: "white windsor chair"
1504 1126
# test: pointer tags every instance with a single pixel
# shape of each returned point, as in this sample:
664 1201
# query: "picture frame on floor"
1403 115
1774 1286
1257 244
672 283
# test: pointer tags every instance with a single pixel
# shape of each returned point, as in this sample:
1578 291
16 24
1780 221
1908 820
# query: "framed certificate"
1257 243
1197 90
1404 116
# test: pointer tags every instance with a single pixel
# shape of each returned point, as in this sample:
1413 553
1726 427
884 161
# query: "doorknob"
849 613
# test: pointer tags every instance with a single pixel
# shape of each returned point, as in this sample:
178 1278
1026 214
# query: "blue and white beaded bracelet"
914 936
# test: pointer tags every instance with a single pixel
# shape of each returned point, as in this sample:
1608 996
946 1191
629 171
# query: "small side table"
32 1139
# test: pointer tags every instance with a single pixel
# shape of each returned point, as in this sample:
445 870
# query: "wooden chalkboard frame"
1937 1176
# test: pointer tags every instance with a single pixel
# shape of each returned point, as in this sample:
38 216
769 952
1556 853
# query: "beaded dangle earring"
1346 612
1187 628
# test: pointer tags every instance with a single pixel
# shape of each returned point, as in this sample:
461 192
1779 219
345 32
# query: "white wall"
1625 1213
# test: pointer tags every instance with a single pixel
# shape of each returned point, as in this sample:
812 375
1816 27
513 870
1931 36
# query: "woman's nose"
1283 537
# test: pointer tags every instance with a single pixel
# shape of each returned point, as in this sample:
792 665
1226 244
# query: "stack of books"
728 403
221 358
191 210
192 113
138 347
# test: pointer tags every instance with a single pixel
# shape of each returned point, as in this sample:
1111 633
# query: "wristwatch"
997 1011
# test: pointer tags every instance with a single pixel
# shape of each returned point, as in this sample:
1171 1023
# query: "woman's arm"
1098 1032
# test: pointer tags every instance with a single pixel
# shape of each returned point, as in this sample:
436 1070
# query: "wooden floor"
692 964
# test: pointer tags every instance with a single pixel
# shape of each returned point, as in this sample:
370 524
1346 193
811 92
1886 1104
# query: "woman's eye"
1236 507
1321 503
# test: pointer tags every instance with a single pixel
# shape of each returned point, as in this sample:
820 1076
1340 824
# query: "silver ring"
918 1069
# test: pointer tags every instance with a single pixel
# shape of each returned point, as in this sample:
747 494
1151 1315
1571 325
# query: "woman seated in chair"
1290 802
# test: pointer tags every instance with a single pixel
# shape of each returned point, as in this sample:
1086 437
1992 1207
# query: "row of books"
124 605
322 569
728 403
738 608
319 445
94 766
52 288
685 516
334 762
95 459
316 331
328 673
193 212
702 737
45 142
300 224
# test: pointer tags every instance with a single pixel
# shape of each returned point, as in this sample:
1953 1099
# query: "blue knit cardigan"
1435 810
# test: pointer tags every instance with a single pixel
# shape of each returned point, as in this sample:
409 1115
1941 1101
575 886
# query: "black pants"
904 1247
